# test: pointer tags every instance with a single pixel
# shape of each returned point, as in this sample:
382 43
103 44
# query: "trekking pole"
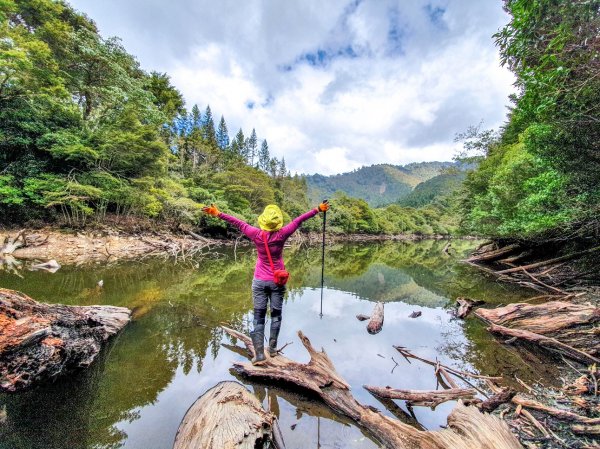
323 259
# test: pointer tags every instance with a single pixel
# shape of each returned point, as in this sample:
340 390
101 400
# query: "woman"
264 289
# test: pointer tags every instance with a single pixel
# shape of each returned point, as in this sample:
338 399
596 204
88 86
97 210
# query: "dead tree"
467 427
376 322
39 342
13 243
561 326
426 398
228 416
465 305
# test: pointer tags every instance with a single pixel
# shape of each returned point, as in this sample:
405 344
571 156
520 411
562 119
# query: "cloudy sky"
332 85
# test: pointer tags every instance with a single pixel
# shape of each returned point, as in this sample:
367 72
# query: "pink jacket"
275 240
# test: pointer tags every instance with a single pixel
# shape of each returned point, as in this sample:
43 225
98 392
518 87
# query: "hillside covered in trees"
378 185
538 177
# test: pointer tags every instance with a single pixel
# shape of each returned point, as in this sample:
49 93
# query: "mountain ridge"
377 184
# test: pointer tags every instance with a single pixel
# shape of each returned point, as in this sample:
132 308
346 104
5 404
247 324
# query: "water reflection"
174 350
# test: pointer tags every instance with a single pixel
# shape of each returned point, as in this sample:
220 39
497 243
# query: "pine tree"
238 146
195 119
252 147
208 128
273 167
222 135
282 170
264 157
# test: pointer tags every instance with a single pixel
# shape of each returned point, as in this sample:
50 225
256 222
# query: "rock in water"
40 341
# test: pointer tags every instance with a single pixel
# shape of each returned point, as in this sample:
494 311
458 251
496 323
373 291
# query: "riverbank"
110 245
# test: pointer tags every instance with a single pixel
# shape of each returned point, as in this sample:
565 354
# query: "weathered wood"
39 341
465 305
545 342
11 244
549 261
468 428
574 325
563 415
426 398
586 430
489 256
409 355
226 416
376 322
493 402
361 317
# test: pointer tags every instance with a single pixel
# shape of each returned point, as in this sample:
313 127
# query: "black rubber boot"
258 340
275 327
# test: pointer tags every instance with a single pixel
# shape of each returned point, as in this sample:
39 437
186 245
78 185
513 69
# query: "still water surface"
136 394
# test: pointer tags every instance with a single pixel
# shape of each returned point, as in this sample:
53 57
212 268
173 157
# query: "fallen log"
549 261
570 324
557 413
465 305
490 256
11 244
39 342
467 427
52 266
228 416
409 355
545 342
425 398
586 430
492 403
376 322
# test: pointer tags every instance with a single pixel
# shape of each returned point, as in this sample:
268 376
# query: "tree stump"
468 428
376 322
39 341
227 416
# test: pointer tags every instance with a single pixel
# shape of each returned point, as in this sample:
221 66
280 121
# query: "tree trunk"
227 416
468 428
376 322
39 341
13 243
465 305
569 324
490 256
426 398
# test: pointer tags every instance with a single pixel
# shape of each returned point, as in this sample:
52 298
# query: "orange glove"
212 210
324 206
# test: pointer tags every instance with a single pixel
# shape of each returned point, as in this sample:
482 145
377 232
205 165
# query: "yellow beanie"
271 219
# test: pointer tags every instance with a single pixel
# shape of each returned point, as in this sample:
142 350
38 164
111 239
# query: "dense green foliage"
539 176
435 188
377 184
86 134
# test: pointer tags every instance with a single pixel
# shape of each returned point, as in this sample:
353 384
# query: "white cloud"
357 82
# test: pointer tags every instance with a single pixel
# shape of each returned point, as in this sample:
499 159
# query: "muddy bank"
107 246
82 247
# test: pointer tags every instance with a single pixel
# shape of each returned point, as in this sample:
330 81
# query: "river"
135 395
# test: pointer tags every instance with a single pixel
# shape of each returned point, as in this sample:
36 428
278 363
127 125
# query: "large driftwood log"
227 416
467 427
376 322
426 398
545 342
465 305
489 256
41 341
571 325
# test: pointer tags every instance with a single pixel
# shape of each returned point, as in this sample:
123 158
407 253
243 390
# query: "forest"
89 138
